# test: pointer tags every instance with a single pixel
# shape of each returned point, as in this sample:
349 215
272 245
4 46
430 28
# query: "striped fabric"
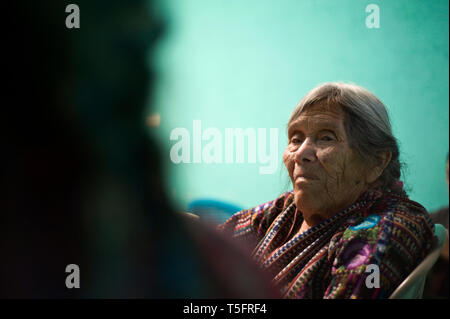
334 258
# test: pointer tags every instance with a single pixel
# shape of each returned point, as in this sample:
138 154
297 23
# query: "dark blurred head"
92 82
74 115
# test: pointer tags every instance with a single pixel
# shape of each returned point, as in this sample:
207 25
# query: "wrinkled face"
327 175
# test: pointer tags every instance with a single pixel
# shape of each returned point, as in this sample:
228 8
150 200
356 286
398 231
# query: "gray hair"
366 122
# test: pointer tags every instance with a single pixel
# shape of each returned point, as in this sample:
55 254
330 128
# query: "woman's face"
327 175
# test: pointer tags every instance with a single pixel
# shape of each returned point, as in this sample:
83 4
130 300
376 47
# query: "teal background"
241 64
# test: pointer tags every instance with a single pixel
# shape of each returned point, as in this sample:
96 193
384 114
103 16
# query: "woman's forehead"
319 114
321 107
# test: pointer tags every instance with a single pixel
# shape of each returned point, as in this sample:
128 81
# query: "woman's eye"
296 140
327 138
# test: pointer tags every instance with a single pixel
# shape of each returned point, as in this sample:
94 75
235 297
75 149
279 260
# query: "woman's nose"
306 152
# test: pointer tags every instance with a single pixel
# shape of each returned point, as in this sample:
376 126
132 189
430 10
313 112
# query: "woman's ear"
378 166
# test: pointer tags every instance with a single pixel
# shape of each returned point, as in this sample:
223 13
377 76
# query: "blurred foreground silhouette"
81 179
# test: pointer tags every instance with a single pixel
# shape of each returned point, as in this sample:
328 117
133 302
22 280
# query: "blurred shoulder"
254 220
226 264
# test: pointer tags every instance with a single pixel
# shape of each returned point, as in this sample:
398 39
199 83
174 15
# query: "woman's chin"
306 186
304 197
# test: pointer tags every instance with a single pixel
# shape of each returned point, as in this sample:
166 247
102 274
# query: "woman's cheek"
325 157
332 163
288 159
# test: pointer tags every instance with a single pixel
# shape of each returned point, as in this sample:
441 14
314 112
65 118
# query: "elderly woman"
348 229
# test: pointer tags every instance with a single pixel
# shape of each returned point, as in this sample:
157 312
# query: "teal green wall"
246 64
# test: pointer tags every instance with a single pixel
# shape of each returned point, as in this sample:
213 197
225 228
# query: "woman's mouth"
302 177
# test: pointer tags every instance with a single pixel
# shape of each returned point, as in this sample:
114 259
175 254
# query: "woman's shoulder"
397 223
394 233
388 207
392 223
407 215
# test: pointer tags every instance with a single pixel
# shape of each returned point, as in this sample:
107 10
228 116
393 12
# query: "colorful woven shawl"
331 259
